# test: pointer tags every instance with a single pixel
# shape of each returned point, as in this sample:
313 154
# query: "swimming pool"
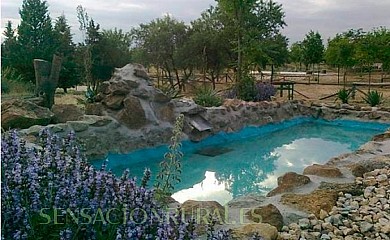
228 165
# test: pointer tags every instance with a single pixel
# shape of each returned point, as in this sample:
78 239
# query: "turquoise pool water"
250 161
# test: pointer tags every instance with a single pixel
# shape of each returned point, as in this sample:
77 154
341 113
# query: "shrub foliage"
343 95
207 97
373 98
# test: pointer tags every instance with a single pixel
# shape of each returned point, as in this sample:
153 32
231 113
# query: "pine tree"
8 46
35 36
66 48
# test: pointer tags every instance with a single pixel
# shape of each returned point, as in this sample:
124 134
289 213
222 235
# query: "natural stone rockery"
130 114
129 96
364 216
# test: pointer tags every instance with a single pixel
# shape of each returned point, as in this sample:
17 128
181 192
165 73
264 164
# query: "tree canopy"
313 48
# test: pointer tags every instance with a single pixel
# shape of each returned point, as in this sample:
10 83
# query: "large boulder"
133 114
114 102
23 114
247 231
66 112
94 109
200 210
312 202
288 182
367 165
266 214
351 188
130 97
322 171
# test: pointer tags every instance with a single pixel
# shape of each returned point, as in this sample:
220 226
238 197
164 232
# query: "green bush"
343 95
246 88
169 91
373 98
207 97
4 87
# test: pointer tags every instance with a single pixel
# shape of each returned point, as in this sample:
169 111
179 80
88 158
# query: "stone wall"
235 115
130 114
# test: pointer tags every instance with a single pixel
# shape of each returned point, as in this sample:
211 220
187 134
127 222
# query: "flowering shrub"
170 167
53 193
264 91
256 92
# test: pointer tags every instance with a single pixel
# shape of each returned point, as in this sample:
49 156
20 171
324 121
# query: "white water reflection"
299 154
209 189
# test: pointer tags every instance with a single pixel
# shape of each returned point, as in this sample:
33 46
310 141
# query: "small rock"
348 196
382 178
348 231
323 214
286 236
304 223
365 227
369 181
325 236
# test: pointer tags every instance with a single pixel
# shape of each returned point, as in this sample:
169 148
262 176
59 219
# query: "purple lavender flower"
57 177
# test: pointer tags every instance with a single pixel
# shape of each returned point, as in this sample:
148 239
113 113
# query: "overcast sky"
326 16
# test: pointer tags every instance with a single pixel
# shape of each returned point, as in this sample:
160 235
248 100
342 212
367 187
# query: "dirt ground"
328 85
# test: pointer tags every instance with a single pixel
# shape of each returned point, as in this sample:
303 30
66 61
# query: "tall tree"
209 45
252 23
381 37
340 52
116 47
160 40
296 54
9 45
35 36
272 51
84 50
313 48
69 75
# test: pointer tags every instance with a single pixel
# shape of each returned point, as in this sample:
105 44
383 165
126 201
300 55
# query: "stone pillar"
46 77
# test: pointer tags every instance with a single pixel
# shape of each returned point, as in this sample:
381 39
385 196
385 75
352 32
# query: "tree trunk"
239 47
213 77
338 74
168 71
158 76
369 79
178 79
318 73
272 73
345 77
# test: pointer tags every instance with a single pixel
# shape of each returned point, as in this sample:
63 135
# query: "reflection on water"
258 176
209 188
256 158
299 154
